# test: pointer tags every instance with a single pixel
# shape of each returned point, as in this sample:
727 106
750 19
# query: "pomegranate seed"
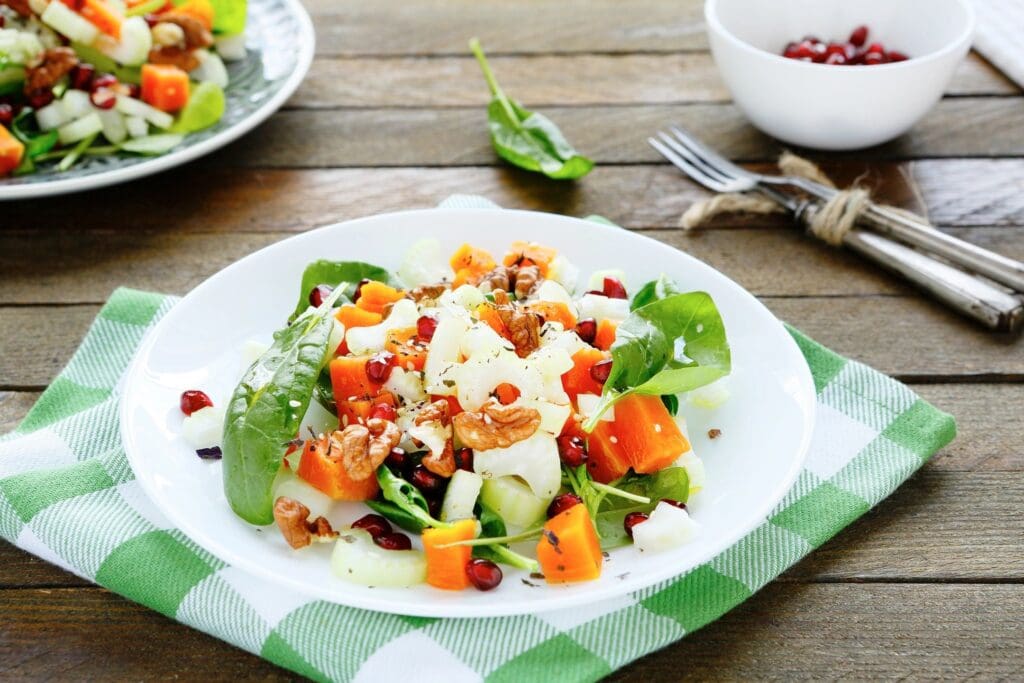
674 503
859 36
384 411
6 114
804 50
359 289
614 289
563 502
836 49
587 330
434 506
572 449
152 19
193 400
426 325
393 541
379 367
318 294
397 459
464 459
483 574
873 58
40 99
819 52
631 520
426 481
104 81
790 51
82 75
375 525
3 20
103 98
895 56
876 47
812 39
133 90
599 371
835 58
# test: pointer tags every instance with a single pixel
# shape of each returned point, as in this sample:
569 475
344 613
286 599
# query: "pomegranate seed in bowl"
193 400
426 481
464 459
859 36
483 574
851 52
375 525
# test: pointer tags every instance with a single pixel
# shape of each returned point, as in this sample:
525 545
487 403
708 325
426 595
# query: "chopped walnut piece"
174 55
364 448
442 464
527 278
714 433
499 279
52 66
519 279
182 56
523 326
292 519
496 426
438 411
427 292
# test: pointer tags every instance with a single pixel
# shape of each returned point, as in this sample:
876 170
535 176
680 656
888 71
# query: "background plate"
279 40
766 425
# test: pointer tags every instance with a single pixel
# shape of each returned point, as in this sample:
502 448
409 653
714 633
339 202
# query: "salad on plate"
110 77
483 410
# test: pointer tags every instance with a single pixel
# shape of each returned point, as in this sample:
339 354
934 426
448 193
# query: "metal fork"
967 294
997 267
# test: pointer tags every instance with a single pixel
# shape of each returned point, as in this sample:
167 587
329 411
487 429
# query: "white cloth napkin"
1000 35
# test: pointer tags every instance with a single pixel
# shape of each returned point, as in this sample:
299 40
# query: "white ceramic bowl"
837 107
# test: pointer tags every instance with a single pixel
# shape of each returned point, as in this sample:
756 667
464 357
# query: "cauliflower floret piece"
424 264
408 385
601 308
443 357
535 460
370 339
480 340
564 273
668 527
478 377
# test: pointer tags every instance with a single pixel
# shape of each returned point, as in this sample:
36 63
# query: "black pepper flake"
529 583
212 453
553 540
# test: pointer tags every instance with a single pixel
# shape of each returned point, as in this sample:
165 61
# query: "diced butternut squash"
165 87
352 316
530 253
446 567
488 314
200 10
554 312
350 381
326 472
605 336
578 380
358 411
569 549
647 435
410 352
11 151
103 16
473 258
375 296
607 460
506 393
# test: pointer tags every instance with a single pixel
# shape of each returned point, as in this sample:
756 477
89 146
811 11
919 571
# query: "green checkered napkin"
68 495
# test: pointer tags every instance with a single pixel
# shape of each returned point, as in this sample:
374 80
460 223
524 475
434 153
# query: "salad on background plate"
484 411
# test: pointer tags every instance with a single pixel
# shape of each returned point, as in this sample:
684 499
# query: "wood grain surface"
929 584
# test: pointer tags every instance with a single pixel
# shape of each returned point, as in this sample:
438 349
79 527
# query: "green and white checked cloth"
68 495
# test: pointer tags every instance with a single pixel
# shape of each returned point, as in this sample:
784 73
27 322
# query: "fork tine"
709 156
728 183
686 167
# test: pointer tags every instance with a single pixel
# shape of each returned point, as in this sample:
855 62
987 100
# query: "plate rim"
462 609
61 186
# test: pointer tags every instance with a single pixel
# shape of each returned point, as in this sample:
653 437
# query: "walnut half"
292 519
364 448
523 326
495 426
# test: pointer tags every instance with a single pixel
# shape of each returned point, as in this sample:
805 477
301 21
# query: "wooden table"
931 583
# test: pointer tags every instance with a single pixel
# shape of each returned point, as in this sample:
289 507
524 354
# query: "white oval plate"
766 425
279 41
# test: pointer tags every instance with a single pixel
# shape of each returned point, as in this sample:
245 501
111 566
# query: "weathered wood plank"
548 80
906 336
14 406
970 192
985 127
393 27
876 631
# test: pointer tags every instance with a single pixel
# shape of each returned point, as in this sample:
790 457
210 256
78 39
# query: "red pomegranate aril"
426 325
359 289
631 520
152 19
133 90
104 81
587 330
835 58
674 503
563 502
40 99
434 506
379 367
804 50
876 47
599 371
614 289
6 114
384 411
572 449
483 574
895 56
375 525
790 51
393 541
193 400
3 20
82 75
464 459
103 98
874 58
397 459
318 294
859 36
426 481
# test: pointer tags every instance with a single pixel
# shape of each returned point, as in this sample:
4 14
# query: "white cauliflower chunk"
407 385
363 340
443 357
424 264
668 527
479 376
694 470
535 460
601 308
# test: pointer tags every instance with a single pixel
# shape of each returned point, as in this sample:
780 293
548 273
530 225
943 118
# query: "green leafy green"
671 402
228 16
71 157
655 290
35 141
671 482
406 498
396 515
266 409
669 346
152 145
323 391
205 107
324 272
528 139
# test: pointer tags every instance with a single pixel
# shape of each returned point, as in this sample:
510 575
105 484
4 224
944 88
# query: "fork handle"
968 295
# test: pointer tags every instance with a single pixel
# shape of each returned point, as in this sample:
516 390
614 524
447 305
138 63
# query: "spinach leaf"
396 515
528 139
324 272
671 482
35 142
493 526
668 346
323 391
671 402
266 410
655 290
406 497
